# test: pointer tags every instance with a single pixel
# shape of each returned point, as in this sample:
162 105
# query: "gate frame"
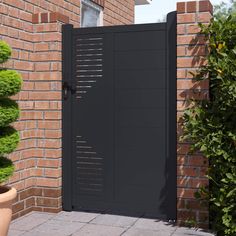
67 90
67 40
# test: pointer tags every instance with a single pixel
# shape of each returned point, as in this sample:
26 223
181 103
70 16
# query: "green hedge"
9 111
5 52
10 83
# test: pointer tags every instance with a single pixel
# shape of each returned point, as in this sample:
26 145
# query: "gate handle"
66 88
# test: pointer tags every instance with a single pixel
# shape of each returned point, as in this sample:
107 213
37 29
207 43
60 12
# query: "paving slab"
13 232
153 224
99 230
190 232
30 221
56 227
146 232
83 217
114 220
38 233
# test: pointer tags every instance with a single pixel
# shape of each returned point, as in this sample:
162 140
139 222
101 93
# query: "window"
91 14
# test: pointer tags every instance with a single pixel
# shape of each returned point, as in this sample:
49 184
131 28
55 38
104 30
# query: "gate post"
191 53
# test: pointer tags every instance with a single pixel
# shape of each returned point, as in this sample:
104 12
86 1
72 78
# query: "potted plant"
10 84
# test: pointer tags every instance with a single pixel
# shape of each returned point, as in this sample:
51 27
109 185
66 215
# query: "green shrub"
9 138
9 111
5 51
10 83
6 169
211 125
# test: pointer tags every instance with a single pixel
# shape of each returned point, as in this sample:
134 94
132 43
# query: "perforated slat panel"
90 167
88 72
89 63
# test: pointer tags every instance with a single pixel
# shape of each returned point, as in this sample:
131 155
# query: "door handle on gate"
66 88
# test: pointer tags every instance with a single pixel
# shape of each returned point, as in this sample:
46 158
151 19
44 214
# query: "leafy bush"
223 10
10 84
9 138
5 52
9 111
7 169
211 124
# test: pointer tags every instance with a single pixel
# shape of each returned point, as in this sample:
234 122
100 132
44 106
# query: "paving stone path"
92 224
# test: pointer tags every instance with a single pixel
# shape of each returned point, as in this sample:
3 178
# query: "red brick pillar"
41 108
46 96
191 53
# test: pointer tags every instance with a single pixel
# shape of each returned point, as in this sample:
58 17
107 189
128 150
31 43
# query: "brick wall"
191 52
118 12
33 29
114 11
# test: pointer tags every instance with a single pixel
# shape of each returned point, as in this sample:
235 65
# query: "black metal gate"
119 119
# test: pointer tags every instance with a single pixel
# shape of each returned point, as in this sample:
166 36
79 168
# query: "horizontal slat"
90 165
85 87
86 32
88 56
86 154
90 168
140 60
83 146
88 38
88 46
85 82
89 180
95 158
81 141
89 191
84 44
142 79
88 51
153 40
81 92
98 64
89 62
81 72
89 68
90 185
89 160
89 194
88 77
89 41
89 175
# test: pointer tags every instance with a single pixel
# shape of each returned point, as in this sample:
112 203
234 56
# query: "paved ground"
91 224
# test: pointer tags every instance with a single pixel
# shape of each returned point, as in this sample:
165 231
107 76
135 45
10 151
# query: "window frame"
94 6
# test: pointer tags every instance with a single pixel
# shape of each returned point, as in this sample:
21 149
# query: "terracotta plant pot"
7 195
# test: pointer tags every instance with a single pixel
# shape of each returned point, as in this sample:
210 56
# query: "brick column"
191 53
47 103
39 168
